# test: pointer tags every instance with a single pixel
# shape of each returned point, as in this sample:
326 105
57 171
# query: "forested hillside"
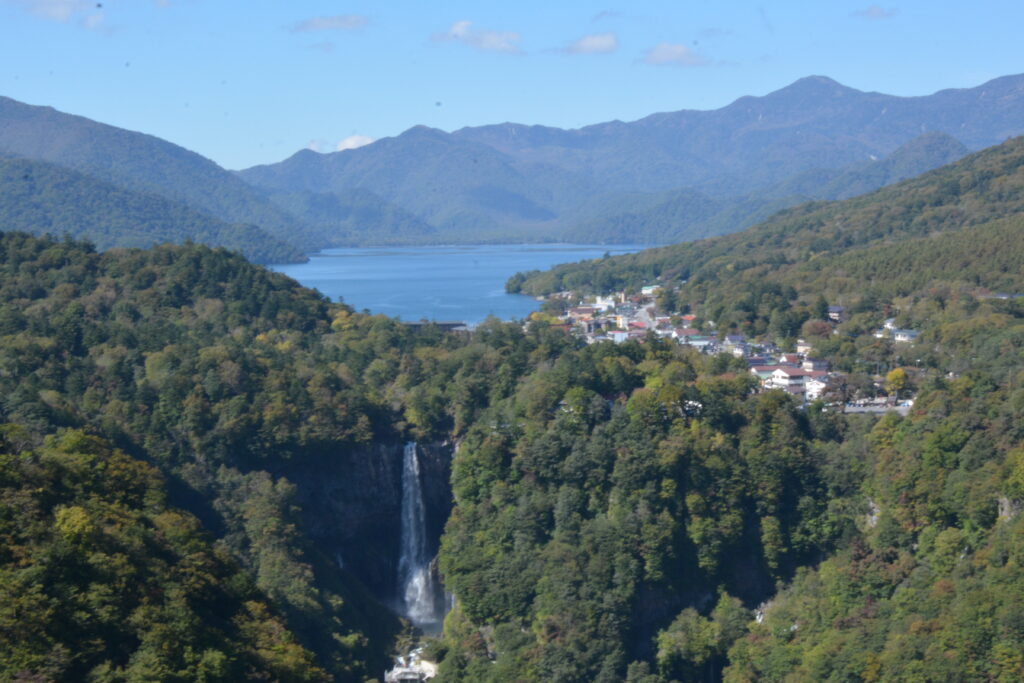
691 214
138 162
824 237
43 198
230 380
635 511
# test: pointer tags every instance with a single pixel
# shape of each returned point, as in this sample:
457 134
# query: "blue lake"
464 283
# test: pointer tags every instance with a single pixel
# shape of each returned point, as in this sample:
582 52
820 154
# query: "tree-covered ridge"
229 377
621 511
983 187
141 163
100 580
618 487
690 214
931 586
622 516
354 217
43 198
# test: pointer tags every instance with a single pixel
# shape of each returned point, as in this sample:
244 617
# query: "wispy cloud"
481 39
875 13
63 10
594 44
606 14
338 22
671 54
353 142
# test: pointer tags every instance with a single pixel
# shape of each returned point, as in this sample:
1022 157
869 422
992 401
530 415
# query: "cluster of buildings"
620 318
797 374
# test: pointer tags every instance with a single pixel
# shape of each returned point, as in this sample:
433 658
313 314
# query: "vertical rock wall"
352 507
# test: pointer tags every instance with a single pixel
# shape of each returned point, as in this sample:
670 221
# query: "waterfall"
416 585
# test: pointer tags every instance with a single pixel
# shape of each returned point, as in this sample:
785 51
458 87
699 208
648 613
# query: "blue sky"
253 82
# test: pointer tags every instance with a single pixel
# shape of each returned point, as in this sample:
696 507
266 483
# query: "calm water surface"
464 283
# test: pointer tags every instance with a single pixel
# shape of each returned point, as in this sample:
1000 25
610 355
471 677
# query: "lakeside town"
621 317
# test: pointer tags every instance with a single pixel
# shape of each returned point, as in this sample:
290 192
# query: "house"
763 372
905 335
650 290
814 387
814 364
788 378
789 359
803 347
684 332
836 314
702 343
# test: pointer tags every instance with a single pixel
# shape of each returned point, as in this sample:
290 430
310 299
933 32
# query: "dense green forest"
228 378
43 198
627 512
597 541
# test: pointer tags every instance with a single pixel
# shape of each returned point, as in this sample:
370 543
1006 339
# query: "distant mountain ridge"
800 142
934 223
665 178
136 161
42 198
198 199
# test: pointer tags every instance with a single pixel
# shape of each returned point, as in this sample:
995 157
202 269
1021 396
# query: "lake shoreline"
458 282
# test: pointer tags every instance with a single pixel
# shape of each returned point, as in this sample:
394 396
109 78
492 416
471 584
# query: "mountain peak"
814 85
422 131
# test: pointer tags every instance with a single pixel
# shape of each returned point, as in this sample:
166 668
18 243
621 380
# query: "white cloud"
595 44
353 142
339 22
669 54
875 13
55 10
481 39
86 13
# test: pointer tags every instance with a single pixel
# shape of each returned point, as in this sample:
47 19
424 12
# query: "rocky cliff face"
352 509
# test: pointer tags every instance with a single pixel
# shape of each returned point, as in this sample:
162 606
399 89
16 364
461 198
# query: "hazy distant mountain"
467 189
924 153
722 169
140 162
43 198
898 239
350 217
689 214
757 141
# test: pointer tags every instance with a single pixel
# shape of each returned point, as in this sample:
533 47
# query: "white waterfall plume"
416 585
